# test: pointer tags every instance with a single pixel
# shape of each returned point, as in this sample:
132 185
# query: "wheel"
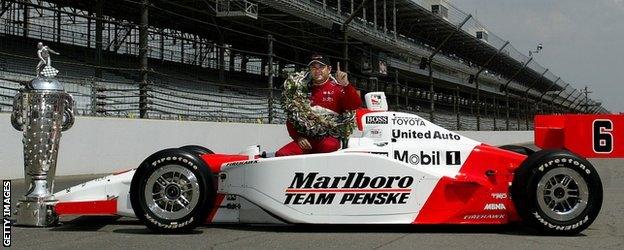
557 192
518 149
172 191
197 149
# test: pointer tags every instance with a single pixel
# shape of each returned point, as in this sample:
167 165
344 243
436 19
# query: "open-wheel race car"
396 169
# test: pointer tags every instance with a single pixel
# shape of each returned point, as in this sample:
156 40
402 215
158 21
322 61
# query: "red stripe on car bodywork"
215 208
463 199
215 161
99 207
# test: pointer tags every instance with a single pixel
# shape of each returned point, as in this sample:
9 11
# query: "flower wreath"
305 119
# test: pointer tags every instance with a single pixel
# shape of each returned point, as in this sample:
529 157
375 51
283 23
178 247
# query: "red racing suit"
331 97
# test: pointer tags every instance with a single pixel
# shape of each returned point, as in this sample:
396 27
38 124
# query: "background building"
225 60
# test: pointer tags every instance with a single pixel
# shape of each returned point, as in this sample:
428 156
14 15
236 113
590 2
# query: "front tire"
172 191
557 192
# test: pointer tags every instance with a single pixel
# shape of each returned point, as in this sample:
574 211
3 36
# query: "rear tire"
172 191
557 192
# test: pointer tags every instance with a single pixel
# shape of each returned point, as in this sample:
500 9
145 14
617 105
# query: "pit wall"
103 145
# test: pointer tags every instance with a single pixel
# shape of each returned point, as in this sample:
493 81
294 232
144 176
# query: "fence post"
456 107
397 89
270 55
143 84
93 97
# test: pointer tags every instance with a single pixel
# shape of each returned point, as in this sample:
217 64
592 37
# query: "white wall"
103 145
499 138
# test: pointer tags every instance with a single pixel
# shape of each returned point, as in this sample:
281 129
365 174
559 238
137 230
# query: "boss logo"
377 120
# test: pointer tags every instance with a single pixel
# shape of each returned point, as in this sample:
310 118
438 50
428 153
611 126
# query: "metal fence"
172 96
97 97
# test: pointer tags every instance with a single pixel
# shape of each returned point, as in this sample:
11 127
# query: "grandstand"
225 60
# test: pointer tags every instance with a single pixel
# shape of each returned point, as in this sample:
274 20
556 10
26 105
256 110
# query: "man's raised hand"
341 76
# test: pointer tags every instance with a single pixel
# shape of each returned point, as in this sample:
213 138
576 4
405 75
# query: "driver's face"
320 72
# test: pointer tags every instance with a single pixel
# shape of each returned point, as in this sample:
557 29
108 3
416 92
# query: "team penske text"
353 188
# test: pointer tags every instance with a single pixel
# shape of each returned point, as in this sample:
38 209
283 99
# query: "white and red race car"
397 169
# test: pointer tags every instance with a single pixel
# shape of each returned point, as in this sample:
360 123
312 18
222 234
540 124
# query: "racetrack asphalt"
607 232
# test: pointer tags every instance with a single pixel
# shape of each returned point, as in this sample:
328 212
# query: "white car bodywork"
394 148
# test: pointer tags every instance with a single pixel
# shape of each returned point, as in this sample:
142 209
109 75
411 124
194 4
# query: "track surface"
101 232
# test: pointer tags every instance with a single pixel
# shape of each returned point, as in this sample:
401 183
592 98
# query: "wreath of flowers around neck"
308 121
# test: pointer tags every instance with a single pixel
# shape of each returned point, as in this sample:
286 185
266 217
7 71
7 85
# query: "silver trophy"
42 110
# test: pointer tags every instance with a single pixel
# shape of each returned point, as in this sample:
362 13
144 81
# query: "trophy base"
31 213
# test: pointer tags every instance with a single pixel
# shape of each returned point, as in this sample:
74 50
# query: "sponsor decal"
499 195
376 101
426 158
483 216
171 225
327 96
406 120
602 136
560 228
494 206
230 197
238 163
355 188
376 120
380 153
6 213
411 134
172 158
375 133
560 162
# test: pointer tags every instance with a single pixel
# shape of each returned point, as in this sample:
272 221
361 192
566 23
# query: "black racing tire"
172 191
557 192
197 149
518 149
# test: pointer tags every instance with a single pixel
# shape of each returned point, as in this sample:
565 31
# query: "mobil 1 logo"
376 119
425 158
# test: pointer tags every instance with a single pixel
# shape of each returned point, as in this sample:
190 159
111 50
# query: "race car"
398 168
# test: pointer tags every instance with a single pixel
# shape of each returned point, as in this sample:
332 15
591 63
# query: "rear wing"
591 136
